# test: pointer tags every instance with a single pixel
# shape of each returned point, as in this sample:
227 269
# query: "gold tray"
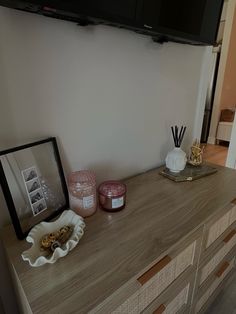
190 173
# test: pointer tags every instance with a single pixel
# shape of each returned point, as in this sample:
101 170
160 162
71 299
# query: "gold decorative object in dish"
53 240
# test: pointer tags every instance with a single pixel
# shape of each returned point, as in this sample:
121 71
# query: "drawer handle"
222 269
229 236
154 269
160 309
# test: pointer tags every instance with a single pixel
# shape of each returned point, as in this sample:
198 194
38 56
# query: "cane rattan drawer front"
217 227
219 275
229 243
176 299
154 281
176 305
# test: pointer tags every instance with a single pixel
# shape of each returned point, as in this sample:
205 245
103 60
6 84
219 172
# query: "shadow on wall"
64 159
110 171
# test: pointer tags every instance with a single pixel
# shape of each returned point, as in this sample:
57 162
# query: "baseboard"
211 140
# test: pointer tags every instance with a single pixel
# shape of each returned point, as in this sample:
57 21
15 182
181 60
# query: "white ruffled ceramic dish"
35 256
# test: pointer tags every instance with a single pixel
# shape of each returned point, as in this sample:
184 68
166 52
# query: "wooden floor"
215 154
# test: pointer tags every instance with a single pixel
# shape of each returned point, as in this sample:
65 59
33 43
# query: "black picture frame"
45 214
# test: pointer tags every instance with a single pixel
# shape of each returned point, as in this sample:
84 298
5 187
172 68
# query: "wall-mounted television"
194 21
191 21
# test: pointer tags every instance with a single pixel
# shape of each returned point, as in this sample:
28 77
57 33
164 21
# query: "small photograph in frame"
33 184
29 174
39 206
36 196
34 190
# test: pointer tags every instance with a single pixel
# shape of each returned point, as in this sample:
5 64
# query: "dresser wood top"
117 246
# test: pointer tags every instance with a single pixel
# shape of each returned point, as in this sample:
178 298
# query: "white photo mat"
34 190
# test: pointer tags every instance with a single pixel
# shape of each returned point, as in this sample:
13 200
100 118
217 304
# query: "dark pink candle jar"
112 195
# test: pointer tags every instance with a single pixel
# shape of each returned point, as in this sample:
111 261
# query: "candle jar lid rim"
112 188
82 176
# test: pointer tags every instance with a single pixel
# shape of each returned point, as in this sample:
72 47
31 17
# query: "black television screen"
186 17
191 20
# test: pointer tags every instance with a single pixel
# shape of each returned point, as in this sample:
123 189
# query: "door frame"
230 12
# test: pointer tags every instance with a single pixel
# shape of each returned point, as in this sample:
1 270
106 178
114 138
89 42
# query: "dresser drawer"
176 299
216 227
155 280
217 278
228 243
178 303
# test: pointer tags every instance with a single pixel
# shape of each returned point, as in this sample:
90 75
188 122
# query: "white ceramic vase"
176 160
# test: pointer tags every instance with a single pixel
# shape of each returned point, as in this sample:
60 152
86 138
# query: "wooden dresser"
169 251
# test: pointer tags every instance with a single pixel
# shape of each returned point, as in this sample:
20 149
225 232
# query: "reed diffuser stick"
178 134
172 129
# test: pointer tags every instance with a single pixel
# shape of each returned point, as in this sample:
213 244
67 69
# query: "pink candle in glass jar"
82 192
112 195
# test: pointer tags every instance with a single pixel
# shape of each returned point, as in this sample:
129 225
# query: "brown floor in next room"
215 154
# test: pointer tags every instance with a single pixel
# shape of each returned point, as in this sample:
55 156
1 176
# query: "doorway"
221 96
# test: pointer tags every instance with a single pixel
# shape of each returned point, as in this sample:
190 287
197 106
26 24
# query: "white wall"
7 137
109 95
